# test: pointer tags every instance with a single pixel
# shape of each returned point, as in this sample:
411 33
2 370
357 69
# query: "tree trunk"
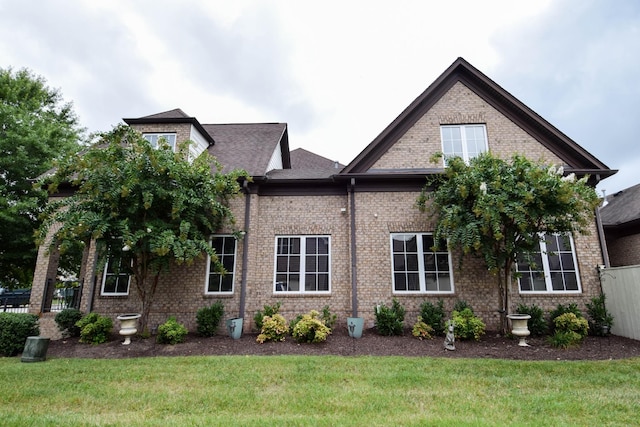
146 292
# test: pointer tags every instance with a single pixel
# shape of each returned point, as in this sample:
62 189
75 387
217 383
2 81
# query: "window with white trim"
116 276
417 268
465 141
155 139
551 269
302 264
222 283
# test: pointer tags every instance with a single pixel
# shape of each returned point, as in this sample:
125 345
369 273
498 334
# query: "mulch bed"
339 343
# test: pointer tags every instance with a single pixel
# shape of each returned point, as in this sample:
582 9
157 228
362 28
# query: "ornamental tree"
150 206
497 210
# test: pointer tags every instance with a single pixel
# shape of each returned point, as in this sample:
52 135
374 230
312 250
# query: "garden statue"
449 339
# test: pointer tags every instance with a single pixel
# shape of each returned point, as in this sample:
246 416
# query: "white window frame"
154 138
420 253
463 141
212 274
106 274
547 272
284 287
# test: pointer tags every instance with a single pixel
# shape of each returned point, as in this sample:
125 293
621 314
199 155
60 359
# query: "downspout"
603 240
354 264
245 248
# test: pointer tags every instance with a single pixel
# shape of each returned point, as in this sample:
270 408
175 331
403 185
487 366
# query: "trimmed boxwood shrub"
66 321
433 315
208 319
94 328
171 332
14 330
390 320
538 325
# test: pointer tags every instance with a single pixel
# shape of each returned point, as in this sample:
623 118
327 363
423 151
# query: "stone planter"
128 326
355 326
35 349
519 327
234 327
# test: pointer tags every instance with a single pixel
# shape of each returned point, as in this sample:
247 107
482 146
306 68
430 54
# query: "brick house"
320 233
620 218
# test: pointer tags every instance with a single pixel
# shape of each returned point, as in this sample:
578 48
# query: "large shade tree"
36 127
150 206
499 209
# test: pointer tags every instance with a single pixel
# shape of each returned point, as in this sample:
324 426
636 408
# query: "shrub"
14 330
467 325
433 315
208 319
562 309
328 318
570 330
538 325
390 320
600 320
269 310
66 321
274 328
460 305
311 328
94 328
422 330
171 332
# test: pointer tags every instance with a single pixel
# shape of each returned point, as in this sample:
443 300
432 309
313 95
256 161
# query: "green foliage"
66 321
36 127
390 320
461 305
467 325
155 203
171 332
600 320
268 310
562 309
433 315
208 319
422 330
570 330
94 328
311 328
274 328
328 318
537 325
496 209
15 328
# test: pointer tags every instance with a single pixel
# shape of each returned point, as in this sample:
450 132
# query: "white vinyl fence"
621 286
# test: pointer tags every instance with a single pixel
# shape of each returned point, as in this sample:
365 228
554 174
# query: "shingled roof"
622 208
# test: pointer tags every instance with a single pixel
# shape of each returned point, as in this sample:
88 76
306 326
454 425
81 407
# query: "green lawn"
319 390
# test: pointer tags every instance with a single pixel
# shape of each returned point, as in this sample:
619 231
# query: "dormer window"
465 141
155 139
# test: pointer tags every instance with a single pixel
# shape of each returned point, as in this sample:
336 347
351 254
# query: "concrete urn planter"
519 327
128 326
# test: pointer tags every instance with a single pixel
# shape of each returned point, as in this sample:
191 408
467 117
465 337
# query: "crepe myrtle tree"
149 206
499 209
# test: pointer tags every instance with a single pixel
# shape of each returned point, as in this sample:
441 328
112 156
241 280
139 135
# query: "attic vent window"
465 141
155 139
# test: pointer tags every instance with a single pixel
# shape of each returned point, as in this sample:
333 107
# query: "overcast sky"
338 72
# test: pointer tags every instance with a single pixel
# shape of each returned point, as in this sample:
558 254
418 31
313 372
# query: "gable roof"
304 159
249 146
578 159
622 208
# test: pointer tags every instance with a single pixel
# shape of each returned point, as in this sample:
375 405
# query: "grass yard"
318 391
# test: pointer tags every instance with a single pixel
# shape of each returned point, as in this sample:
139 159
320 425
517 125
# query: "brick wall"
623 250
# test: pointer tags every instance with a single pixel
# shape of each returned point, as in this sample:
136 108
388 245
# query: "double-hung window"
417 268
155 139
116 276
217 282
302 264
465 141
552 268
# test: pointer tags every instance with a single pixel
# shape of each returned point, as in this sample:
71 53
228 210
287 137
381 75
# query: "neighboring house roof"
622 209
577 159
303 159
249 146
